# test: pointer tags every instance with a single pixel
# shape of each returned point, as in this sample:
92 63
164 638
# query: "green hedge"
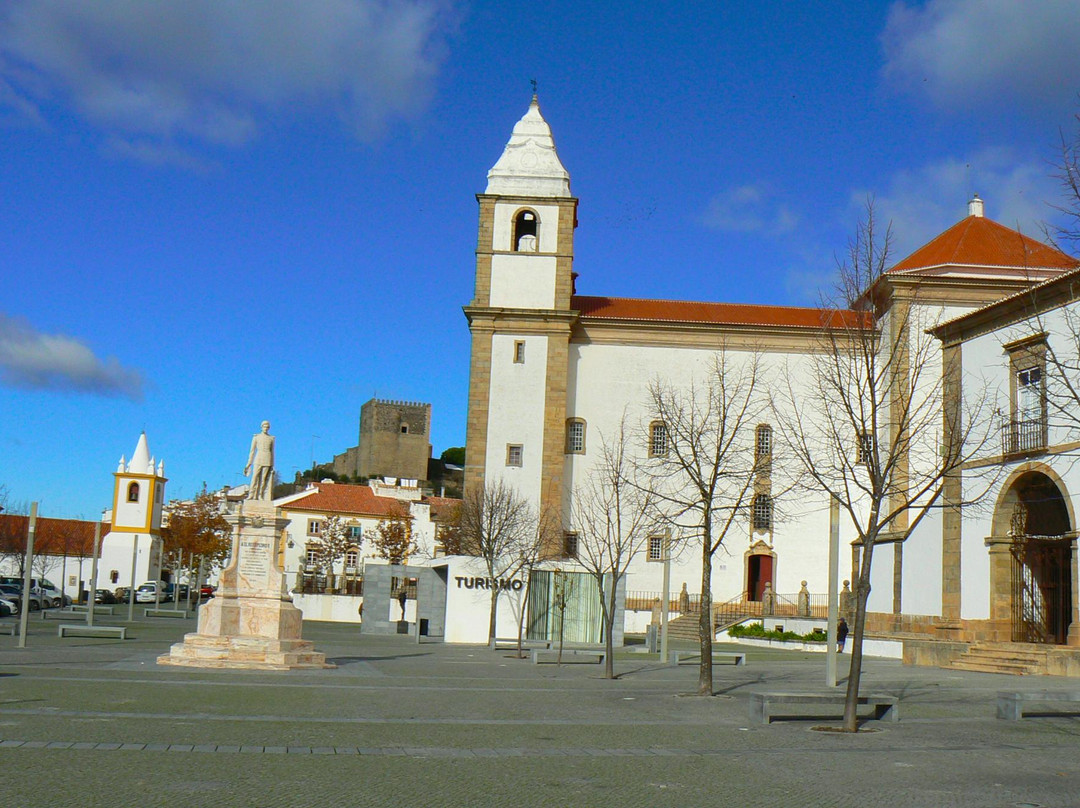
757 630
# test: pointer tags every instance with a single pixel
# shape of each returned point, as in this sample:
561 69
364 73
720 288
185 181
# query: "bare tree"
702 465
1067 173
495 522
530 551
614 513
868 421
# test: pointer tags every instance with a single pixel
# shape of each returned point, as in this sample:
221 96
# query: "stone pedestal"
251 623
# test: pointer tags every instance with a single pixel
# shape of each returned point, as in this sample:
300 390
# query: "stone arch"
1023 485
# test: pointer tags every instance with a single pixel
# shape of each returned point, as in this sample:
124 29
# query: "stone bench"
83 630
570 656
1010 704
11 629
98 609
886 708
694 658
165 613
62 614
503 644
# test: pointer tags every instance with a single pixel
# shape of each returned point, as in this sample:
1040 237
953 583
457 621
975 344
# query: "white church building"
552 371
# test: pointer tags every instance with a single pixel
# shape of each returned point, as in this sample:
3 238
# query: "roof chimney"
975 206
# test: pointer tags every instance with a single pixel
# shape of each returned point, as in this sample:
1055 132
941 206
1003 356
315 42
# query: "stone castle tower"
394 439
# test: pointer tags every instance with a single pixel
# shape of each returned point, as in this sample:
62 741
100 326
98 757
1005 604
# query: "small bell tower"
135 524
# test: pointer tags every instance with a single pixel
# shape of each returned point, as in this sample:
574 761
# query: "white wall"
523 281
547 230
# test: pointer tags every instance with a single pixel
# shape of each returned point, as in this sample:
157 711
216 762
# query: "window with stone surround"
658 439
133 492
1026 429
575 436
570 545
519 352
514 454
656 548
314 527
763 443
762 509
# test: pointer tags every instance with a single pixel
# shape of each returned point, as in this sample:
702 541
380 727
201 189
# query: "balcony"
1024 436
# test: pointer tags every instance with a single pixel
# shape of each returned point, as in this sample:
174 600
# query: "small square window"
356 532
314 527
514 452
656 548
570 545
519 352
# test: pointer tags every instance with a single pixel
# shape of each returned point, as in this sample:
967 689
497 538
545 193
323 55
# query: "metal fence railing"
1028 435
738 607
314 583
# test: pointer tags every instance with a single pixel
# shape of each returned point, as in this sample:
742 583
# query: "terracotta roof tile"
51 536
978 241
342 498
442 506
681 311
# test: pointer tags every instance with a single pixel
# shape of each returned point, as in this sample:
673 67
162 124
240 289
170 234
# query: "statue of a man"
260 465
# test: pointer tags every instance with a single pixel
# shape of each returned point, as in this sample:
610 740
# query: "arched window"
352 557
526 232
575 436
658 440
133 492
762 512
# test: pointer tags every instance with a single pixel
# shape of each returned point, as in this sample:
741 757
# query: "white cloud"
749 209
213 71
964 52
36 361
923 202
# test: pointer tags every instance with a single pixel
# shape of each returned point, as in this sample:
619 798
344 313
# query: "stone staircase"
1014 658
684 627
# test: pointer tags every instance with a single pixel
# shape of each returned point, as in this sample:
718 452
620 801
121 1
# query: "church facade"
554 373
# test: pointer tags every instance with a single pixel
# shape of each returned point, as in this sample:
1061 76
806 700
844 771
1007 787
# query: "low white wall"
889 649
637 622
334 608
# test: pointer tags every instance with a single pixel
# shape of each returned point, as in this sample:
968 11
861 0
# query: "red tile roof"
978 241
51 536
342 498
680 311
442 507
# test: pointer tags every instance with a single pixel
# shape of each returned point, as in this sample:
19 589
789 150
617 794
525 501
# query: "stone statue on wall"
260 465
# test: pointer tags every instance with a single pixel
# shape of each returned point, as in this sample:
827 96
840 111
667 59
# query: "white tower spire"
529 165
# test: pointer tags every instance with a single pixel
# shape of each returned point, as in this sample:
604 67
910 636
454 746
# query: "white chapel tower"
135 525
520 317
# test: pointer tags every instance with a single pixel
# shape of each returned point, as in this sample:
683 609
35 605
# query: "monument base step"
244 652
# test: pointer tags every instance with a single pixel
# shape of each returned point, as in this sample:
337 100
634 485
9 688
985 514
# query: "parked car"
13 592
8 606
207 591
104 597
150 591
171 593
121 593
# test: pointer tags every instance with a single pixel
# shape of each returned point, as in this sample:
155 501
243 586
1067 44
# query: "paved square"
97 722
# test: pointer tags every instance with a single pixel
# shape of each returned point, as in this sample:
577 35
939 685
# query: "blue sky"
217 212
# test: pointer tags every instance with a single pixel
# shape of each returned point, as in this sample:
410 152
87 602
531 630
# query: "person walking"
841 635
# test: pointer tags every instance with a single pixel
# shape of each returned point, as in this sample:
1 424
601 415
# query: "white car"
8 607
148 592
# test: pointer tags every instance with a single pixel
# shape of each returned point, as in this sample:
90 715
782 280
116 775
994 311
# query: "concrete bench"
694 658
62 614
83 630
11 629
570 656
98 609
886 708
503 644
1010 704
165 613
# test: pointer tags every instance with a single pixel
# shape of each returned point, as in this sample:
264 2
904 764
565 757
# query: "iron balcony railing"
1021 436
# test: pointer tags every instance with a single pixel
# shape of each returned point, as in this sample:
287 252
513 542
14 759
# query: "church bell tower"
520 319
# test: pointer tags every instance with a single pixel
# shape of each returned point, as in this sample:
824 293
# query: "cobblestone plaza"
92 722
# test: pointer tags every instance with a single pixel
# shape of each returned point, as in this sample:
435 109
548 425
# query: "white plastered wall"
523 281
547 230
516 414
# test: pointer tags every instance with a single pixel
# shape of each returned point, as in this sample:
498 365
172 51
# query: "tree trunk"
862 595
494 609
705 627
609 625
